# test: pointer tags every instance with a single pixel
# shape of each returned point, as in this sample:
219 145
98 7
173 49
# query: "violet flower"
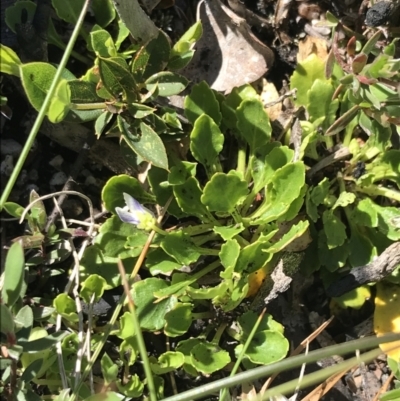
135 213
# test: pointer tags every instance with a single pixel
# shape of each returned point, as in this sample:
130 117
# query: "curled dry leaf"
228 54
268 95
312 45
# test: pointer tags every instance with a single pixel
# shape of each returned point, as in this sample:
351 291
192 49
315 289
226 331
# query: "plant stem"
88 106
244 349
374 190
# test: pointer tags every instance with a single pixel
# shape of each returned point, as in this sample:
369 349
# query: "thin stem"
87 106
43 110
242 353
374 190
241 159
139 335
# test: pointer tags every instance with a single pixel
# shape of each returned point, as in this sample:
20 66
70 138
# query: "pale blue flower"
135 213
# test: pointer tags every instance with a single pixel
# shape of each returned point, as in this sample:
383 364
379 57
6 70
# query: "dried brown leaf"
228 54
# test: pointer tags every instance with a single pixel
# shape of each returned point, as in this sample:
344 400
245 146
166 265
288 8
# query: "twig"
340 154
291 93
378 269
76 169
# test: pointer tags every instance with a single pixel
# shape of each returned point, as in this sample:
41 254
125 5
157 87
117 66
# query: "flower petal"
132 203
126 216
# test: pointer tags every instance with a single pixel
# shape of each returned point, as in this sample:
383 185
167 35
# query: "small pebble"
33 175
10 147
58 178
7 166
90 180
22 178
56 162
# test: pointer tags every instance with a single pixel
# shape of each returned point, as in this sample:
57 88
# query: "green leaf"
6 321
152 58
46 357
178 320
202 100
66 307
9 61
37 218
253 123
82 92
182 53
159 262
343 121
365 214
119 239
60 103
386 167
36 79
253 256
229 254
13 274
344 199
229 231
13 13
335 230
139 24
188 197
181 172
13 209
167 362
284 188
209 358
102 43
180 246
69 11
109 369
266 347
117 78
361 250
263 167
206 142
389 221
168 83
296 231
320 105
95 262
306 73
104 11
151 315
331 258
185 347
43 343
138 110
133 387
148 146
224 192
127 328
93 285
24 322
247 321
355 298
158 182
112 193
